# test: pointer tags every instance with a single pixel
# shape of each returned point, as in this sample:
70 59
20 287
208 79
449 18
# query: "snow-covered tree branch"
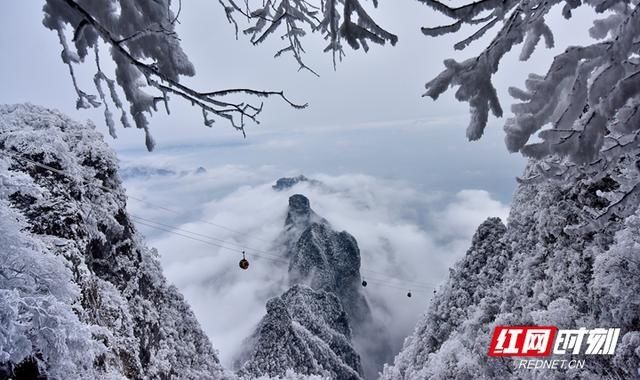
584 109
337 20
149 62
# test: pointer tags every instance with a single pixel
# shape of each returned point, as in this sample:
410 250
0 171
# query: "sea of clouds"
408 238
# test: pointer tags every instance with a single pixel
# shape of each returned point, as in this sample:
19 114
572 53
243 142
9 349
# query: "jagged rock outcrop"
550 266
323 258
81 295
286 183
300 216
304 330
324 261
330 261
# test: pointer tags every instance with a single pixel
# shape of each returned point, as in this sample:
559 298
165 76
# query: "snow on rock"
330 261
550 266
323 258
308 328
81 295
299 217
306 331
322 263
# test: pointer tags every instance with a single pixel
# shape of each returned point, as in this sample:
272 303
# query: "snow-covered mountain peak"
300 215
299 204
325 290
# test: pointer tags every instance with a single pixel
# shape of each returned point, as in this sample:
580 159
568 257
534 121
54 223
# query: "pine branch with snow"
337 20
585 109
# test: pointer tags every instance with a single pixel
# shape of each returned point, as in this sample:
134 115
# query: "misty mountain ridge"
286 183
322 263
129 172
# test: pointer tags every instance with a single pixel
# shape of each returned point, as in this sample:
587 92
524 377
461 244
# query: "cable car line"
203 241
417 284
204 236
423 290
410 290
428 284
397 284
195 220
413 286
275 256
241 264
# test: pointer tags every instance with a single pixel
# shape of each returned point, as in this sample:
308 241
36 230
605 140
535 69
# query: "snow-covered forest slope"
81 296
552 265
305 330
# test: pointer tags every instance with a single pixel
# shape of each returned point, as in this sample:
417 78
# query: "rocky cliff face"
304 330
323 264
329 260
92 302
550 266
309 327
325 259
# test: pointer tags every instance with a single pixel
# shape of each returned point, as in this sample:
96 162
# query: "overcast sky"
368 132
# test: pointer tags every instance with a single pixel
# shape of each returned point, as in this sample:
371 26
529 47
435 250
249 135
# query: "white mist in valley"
407 239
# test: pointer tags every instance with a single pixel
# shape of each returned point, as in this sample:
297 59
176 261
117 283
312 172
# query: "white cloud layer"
403 233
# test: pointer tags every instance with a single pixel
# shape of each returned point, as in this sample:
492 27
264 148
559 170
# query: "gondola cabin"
244 263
